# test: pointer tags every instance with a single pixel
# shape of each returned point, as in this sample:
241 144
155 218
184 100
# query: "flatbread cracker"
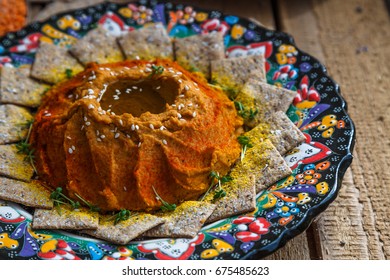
124 231
235 72
186 221
275 98
240 198
54 63
65 218
12 120
16 87
99 46
149 42
32 194
13 164
196 52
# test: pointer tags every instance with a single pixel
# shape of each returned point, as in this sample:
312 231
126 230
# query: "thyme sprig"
122 215
61 199
24 147
245 144
216 180
165 207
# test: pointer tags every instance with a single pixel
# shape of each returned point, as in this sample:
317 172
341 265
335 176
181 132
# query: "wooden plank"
352 37
295 249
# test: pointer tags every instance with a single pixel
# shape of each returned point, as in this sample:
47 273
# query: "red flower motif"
251 229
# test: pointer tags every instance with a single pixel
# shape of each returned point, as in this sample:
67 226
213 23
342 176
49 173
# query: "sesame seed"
162 127
73 148
135 87
136 127
97 132
186 87
121 122
70 150
179 73
90 91
68 137
70 96
117 135
90 106
151 126
147 70
179 115
137 57
125 189
180 81
133 127
85 119
128 136
139 144
87 123
194 114
164 142
189 105
181 95
98 139
82 127
47 115
158 87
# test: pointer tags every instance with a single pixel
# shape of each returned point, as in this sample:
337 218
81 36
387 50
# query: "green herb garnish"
61 199
157 70
69 73
217 181
92 207
122 215
25 148
165 207
245 144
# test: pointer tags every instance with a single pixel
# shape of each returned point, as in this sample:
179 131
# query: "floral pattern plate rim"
283 210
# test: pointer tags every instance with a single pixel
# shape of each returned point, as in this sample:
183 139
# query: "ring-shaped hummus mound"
116 133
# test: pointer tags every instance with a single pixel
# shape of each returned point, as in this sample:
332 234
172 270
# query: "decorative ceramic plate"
283 210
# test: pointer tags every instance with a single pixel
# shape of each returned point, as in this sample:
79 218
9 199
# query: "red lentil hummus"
116 134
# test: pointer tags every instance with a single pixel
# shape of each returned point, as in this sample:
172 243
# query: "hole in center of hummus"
137 97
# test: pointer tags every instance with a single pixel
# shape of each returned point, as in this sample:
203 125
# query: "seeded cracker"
53 63
65 218
149 42
234 72
269 166
16 87
282 132
124 231
185 221
98 45
196 52
13 164
12 120
276 98
31 194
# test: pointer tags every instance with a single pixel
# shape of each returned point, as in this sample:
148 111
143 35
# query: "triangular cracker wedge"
185 221
54 63
240 198
149 42
13 126
63 217
16 87
282 132
276 98
235 72
196 52
270 166
14 164
124 231
99 46
32 194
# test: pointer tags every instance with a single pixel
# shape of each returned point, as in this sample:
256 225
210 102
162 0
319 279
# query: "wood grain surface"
351 38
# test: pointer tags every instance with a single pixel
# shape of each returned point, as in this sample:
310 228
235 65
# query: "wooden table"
352 38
